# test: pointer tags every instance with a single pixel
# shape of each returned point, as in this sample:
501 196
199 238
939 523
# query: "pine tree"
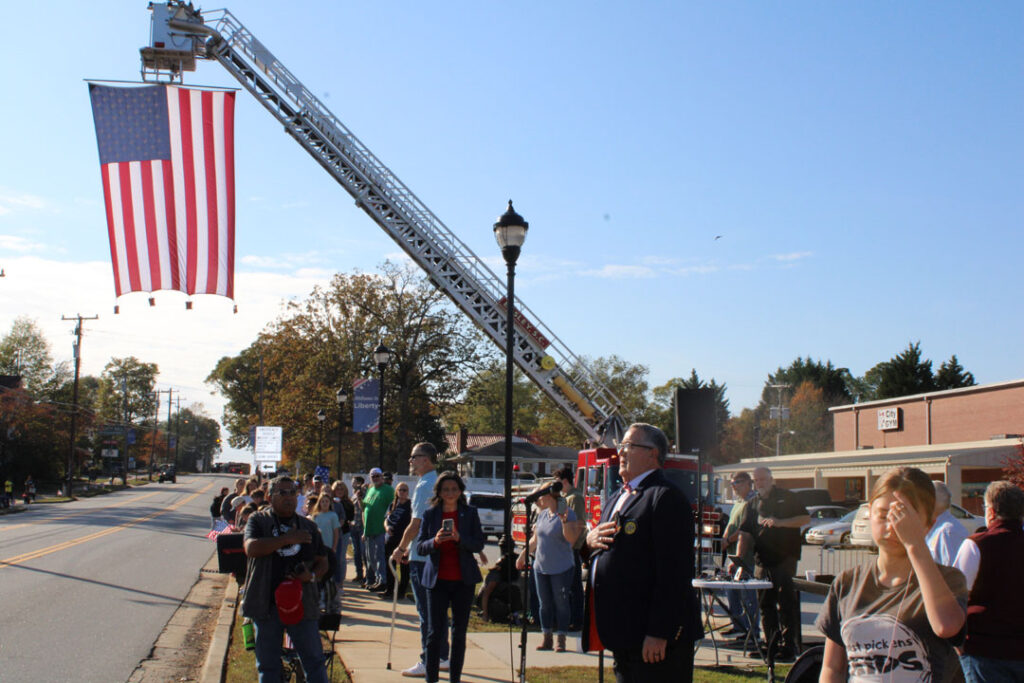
951 375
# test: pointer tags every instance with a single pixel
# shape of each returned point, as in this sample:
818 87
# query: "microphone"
556 487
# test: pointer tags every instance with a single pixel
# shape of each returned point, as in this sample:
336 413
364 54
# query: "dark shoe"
547 643
378 588
357 579
560 644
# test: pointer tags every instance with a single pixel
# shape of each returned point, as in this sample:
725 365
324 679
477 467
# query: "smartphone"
562 506
447 525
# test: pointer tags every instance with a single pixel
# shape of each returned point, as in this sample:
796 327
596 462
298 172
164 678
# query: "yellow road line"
27 557
80 512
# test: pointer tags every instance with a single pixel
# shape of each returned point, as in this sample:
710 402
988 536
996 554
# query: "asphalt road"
86 587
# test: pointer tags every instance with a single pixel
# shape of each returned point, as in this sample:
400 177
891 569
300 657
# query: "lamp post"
510 232
340 396
320 417
382 355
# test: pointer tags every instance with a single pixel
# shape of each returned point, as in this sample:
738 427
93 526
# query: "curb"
217 654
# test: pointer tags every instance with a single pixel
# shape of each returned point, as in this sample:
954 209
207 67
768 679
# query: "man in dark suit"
640 594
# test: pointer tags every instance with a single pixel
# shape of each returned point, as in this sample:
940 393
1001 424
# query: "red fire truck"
597 478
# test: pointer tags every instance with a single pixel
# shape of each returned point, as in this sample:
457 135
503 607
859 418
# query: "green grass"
587 674
241 663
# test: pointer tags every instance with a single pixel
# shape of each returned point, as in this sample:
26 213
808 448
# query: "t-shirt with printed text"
885 630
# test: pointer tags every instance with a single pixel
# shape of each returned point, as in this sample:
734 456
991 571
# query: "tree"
482 409
833 381
739 438
325 342
809 428
198 437
905 374
662 411
1013 467
951 375
126 390
24 351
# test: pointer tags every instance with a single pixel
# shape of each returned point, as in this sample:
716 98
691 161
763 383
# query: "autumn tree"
482 409
323 343
25 352
832 381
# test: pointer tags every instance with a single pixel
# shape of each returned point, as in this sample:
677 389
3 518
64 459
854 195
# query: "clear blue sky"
861 161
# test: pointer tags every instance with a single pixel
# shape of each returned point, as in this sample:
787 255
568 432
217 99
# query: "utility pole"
124 459
177 429
74 395
778 415
156 430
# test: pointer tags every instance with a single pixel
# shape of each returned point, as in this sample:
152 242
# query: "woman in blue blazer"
450 536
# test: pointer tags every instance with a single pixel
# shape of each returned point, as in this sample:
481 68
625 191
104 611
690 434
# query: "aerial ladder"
181 34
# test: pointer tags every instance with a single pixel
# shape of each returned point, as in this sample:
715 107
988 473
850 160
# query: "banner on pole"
366 405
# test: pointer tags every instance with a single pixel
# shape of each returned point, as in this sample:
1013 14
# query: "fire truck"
597 478
182 35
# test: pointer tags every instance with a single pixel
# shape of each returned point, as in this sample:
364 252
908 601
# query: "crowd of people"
933 604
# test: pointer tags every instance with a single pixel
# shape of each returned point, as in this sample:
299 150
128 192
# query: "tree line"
446 375
36 403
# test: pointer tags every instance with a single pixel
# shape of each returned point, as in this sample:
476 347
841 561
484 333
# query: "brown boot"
546 643
560 646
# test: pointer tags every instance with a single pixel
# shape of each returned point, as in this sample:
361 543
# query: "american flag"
167 160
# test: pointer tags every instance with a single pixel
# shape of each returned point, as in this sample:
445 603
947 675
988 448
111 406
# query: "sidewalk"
363 646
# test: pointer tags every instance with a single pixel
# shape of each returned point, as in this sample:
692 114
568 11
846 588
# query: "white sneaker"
417 671
444 665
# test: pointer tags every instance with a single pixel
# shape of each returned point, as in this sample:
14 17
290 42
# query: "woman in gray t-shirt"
897 619
556 530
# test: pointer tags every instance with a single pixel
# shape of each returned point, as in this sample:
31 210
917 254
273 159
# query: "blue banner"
365 405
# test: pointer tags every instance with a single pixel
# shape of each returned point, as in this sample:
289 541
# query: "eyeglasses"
287 492
417 455
627 446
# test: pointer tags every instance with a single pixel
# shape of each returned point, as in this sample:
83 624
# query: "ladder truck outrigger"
181 34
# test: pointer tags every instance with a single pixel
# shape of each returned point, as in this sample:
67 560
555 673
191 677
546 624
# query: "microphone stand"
527 576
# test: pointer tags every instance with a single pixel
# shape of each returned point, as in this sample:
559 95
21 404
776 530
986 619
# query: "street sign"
131 437
268 444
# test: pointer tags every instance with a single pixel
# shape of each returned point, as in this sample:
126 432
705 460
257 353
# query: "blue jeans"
375 571
743 611
356 536
459 596
990 670
343 541
554 592
420 593
305 639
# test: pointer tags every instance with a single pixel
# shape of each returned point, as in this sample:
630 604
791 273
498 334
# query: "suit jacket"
641 586
471 541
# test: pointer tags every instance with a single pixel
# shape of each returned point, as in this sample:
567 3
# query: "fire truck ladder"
450 265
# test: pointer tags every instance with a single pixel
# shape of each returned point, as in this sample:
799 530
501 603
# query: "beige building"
960 436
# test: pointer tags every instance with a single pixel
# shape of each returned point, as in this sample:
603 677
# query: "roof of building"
990 453
992 386
476 441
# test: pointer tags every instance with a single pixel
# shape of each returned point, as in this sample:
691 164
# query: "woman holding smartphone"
898 618
450 536
553 567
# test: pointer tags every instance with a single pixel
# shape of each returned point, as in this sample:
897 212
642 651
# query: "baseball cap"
375 471
237 502
288 598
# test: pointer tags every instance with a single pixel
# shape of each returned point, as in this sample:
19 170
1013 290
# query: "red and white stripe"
172 223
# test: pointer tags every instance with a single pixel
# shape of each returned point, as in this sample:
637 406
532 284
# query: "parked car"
815 497
970 521
832 534
491 509
168 473
822 514
860 532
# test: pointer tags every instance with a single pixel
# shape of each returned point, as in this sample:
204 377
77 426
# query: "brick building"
960 436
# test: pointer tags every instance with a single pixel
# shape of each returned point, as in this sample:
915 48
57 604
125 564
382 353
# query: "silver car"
491 509
833 534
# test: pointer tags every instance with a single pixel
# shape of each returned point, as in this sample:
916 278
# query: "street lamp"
382 355
340 396
320 416
510 232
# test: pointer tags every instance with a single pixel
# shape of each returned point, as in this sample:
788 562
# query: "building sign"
365 405
888 419
268 444
526 326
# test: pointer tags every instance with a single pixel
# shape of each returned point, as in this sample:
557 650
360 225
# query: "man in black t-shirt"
281 544
774 517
